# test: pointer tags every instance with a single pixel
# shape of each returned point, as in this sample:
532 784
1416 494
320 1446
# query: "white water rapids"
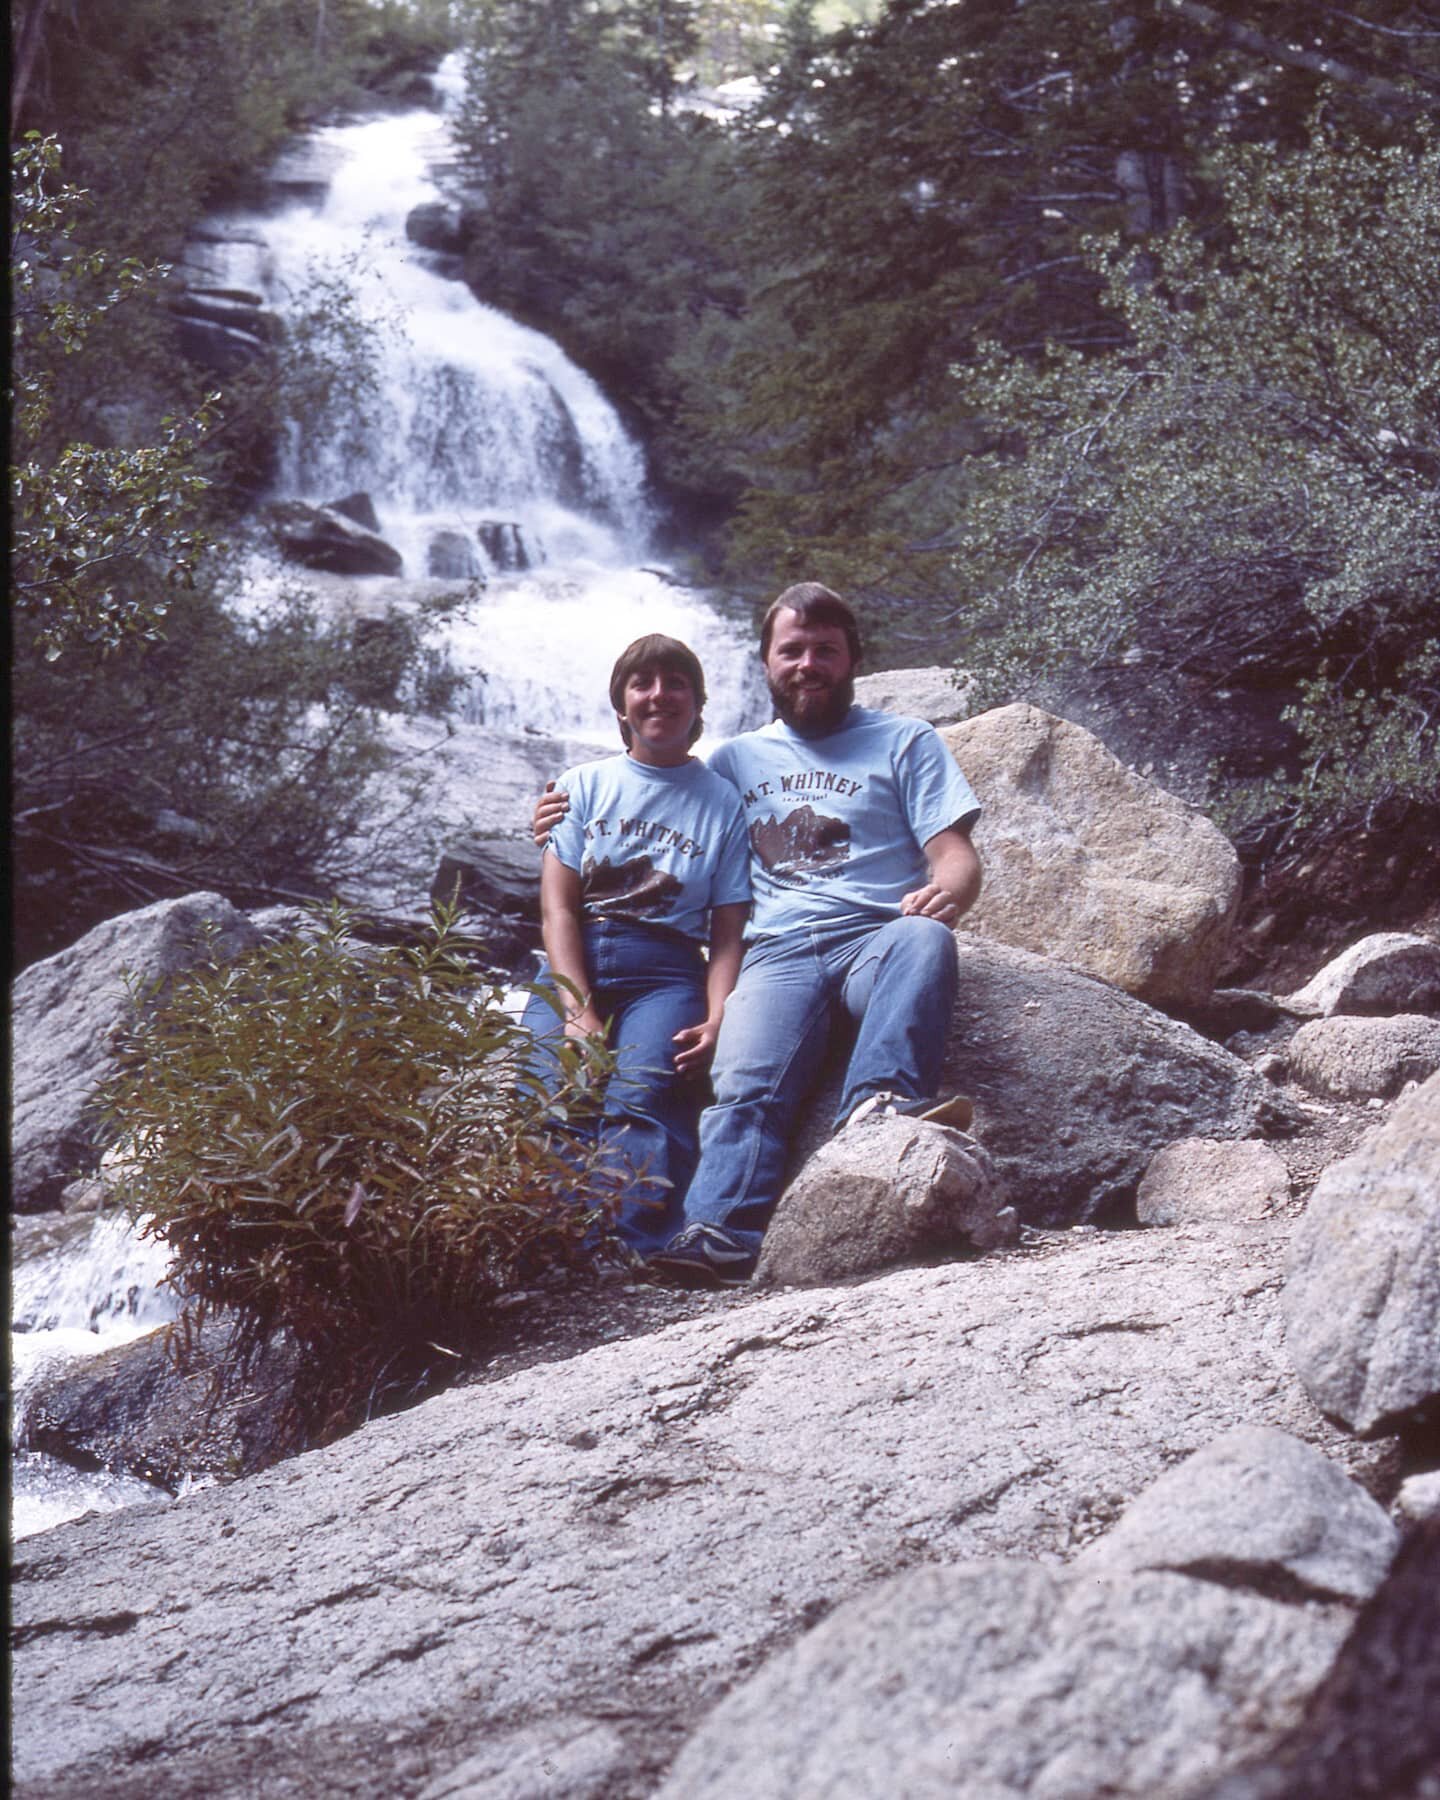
475 438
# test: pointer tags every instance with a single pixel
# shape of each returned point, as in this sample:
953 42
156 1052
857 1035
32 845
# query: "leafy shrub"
344 1143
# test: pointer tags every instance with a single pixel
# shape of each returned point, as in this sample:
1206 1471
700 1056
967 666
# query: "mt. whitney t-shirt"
653 846
837 823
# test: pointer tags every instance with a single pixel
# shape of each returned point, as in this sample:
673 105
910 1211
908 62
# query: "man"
861 863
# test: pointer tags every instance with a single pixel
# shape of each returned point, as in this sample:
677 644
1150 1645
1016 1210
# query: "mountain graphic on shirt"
635 889
802 844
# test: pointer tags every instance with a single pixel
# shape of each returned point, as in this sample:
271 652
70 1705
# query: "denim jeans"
898 980
649 984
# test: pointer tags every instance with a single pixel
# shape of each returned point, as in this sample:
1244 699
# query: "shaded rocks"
504 545
436 225
1362 1288
940 696
1360 1058
322 537
1389 972
1077 1085
1256 1506
884 1191
223 329
451 556
1210 1178
498 875
65 1014
130 1410
1091 864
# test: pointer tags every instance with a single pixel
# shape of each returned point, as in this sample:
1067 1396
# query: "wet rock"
436 225
1091 864
1388 972
1257 1506
500 875
884 1191
451 556
1362 1288
65 1014
504 545
1201 1178
1360 1058
939 695
358 507
320 538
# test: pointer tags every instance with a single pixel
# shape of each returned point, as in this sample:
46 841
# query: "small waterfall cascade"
69 1302
486 454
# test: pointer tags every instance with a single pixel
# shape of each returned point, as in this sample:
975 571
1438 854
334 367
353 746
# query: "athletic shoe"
956 1113
705 1256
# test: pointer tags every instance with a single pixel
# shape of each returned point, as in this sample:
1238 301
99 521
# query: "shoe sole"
697 1274
957 1113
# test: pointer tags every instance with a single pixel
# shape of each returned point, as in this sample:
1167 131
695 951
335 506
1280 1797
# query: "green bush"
343 1143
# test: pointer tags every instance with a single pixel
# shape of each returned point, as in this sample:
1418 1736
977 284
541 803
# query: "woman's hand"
550 809
586 1023
694 1046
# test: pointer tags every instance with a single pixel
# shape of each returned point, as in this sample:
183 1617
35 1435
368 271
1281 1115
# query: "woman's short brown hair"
644 657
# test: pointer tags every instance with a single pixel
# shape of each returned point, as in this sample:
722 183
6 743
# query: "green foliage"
1250 493
102 537
344 1144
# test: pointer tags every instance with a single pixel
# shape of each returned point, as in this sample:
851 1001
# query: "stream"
487 455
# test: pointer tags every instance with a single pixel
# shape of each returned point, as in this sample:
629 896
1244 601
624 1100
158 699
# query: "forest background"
1092 350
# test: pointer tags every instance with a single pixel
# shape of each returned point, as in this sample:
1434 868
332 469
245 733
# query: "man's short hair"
813 604
644 657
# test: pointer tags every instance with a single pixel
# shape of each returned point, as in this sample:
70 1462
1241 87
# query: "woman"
649 865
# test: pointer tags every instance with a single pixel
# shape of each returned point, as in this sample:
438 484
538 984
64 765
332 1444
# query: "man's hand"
954 882
550 809
694 1046
931 902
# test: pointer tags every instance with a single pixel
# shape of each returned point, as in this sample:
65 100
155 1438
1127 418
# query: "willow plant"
349 1145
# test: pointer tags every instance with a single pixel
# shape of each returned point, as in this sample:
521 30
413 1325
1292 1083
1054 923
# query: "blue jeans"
649 984
898 980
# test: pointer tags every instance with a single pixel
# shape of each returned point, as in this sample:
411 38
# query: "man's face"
811 674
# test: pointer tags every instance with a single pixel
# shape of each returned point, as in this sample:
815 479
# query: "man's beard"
825 713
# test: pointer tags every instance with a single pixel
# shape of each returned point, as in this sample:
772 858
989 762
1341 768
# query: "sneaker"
957 1113
705 1256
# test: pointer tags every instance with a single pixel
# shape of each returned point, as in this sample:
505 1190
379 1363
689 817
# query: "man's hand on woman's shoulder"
550 809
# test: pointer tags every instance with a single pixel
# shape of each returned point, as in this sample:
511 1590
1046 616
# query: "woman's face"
660 711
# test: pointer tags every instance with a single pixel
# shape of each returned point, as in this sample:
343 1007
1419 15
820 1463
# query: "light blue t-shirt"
836 823
654 846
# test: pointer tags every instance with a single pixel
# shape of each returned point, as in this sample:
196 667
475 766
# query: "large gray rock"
621 1536
1256 1505
1362 1287
321 538
1076 1085
65 1013
884 1191
939 695
1363 1058
1011 1679
1389 972
1090 863
1208 1178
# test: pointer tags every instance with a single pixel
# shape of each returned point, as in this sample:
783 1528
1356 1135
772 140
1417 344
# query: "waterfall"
483 449
67 1303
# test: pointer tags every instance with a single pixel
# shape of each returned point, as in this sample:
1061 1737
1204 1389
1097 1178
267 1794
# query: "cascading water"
69 1302
486 453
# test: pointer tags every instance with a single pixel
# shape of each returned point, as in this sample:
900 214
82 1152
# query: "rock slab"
1362 1288
623 1535
1092 864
